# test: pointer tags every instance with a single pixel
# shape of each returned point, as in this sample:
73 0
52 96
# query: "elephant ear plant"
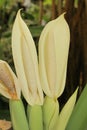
36 79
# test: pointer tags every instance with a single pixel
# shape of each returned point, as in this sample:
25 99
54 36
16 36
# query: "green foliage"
2 3
76 3
5 50
78 119
49 2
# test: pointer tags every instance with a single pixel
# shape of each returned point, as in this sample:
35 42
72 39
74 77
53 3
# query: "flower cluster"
36 78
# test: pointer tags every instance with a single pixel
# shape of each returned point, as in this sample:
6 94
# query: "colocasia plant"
36 79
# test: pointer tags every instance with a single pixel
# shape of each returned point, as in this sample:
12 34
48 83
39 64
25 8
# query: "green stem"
18 116
50 113
35 117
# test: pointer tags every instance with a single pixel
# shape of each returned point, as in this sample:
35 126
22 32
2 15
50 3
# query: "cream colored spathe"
26 64
53 55
9 84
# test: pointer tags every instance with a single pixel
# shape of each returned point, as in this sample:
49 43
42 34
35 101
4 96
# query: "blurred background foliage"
36 14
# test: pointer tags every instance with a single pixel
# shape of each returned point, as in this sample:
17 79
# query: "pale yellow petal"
4 91
53 55
25 59
43 57
9 80
62 41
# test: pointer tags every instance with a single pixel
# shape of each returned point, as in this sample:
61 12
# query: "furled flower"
26 64
53 55
9 85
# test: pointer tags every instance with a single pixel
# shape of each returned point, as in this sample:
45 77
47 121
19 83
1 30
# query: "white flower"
25 60
53 54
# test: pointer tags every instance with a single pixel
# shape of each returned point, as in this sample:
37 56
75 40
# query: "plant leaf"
66 112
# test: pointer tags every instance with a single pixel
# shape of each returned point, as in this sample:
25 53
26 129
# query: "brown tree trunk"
84 37
77 62
53 9
59 7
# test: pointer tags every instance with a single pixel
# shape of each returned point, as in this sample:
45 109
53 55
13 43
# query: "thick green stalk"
18 116
78 119
35 117
50 113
